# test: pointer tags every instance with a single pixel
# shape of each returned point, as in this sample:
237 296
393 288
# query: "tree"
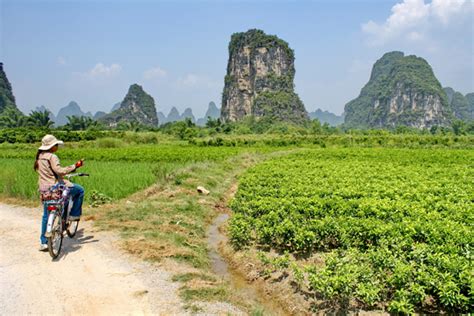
458 127
11 118
213 123
40 119
316 127
80 123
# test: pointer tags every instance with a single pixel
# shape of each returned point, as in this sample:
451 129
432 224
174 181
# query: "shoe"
74 218
43 247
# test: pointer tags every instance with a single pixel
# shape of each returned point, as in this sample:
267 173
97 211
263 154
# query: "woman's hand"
80 163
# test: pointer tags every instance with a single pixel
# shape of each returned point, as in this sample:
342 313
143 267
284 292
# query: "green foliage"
12 118
280 106
81 123
257 38
40 119
97 198
394 225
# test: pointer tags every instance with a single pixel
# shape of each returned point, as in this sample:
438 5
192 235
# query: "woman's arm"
56 166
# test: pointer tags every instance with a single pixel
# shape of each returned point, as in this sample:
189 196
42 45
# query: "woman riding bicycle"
50 172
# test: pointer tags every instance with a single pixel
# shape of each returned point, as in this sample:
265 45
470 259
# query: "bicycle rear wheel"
55 241
72 228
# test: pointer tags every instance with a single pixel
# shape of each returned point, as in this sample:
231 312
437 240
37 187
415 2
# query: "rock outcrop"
7 99
137 106
402 90
259 80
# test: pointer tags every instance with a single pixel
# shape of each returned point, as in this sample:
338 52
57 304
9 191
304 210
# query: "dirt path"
91 276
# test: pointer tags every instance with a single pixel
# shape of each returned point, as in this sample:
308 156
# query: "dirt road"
91 277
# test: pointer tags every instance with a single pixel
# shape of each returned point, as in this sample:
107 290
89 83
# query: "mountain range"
73 109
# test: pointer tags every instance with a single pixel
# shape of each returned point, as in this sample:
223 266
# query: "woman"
50 172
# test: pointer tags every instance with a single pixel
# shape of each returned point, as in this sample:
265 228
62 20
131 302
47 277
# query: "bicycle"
58 218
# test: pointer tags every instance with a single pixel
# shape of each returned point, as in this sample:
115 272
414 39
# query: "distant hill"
173 115
402 90
327 117
212 111
72 109
116 106
462 106
188 113
137 106
161 118
99 114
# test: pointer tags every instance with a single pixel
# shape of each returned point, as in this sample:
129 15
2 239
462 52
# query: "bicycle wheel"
55 241
72 228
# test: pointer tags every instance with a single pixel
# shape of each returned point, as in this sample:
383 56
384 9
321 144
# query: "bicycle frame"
57 207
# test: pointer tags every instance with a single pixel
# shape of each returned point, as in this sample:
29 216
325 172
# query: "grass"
112 178
169 219
116 170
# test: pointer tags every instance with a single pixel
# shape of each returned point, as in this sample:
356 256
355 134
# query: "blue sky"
91 51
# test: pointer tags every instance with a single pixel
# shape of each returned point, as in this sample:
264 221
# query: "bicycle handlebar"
69 176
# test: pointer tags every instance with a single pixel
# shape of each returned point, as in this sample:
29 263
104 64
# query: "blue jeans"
77 194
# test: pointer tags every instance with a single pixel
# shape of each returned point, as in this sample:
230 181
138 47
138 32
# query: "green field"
394 227
357 222
115 172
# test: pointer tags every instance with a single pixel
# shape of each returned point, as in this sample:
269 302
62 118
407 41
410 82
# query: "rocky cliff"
137 106
402 90
259 80
7 99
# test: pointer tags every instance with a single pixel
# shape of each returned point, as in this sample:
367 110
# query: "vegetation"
280 106
393 227
257 38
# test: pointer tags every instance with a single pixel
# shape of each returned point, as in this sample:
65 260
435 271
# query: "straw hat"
49 141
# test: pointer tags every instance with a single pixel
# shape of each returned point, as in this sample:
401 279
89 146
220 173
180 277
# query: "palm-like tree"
11 118
40 119
80 123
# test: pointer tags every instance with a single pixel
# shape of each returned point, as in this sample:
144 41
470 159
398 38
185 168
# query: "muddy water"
222 269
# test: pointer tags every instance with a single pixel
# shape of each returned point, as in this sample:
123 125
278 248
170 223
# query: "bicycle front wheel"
55 241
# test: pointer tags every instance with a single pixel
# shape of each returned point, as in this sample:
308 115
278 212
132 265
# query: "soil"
92 276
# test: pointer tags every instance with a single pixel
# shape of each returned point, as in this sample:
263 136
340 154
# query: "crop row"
395 226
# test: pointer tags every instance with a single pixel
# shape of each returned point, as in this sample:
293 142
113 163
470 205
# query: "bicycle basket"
51 195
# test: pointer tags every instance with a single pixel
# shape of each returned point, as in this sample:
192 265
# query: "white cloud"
445 10
189 80
413 19
101 70
61 61
193 80
154 73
